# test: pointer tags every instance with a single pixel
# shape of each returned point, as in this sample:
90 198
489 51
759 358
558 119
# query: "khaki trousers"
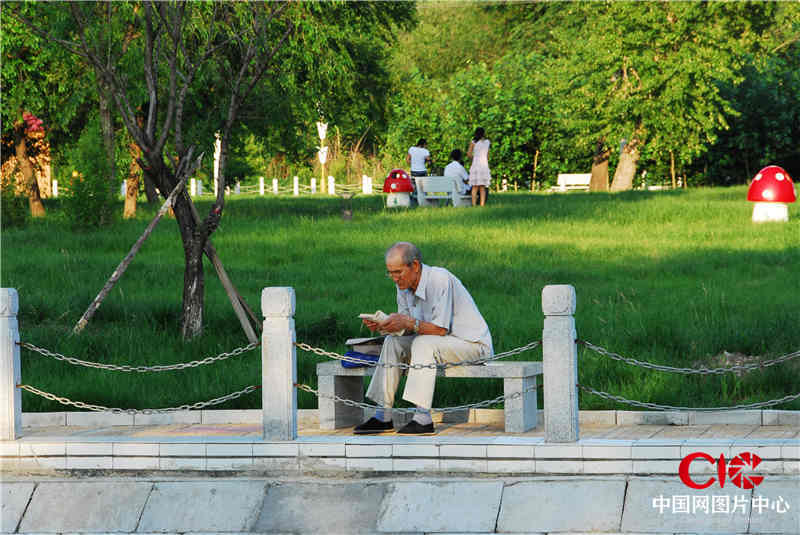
421 349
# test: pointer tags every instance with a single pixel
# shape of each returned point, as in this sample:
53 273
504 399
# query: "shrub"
89 199
14 209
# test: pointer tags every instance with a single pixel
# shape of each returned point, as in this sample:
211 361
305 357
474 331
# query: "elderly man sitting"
440 323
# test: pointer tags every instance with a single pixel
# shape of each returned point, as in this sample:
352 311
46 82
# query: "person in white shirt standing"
418 156
455 170
438 322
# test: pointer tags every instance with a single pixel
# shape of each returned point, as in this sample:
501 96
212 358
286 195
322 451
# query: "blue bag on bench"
367 359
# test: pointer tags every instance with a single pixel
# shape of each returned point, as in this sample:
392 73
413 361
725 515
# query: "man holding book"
436 322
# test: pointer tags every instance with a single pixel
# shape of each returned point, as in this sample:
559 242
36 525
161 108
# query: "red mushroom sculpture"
772 190
398 186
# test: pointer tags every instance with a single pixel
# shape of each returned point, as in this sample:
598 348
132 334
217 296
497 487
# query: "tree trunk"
149 189
132 184
599 180
28 176
193 280
672 169
626 168
193 291
107 128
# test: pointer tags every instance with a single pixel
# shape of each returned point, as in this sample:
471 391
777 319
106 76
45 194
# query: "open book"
379 317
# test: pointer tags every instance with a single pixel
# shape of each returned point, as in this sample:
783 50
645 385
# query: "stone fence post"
278 364
560 360
10 372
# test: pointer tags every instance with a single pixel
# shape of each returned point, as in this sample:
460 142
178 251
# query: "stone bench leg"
521 413
334 415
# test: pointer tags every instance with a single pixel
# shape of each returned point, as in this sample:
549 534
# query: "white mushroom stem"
770 211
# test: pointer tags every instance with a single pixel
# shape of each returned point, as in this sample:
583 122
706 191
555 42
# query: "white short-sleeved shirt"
418 156
455 170
441 299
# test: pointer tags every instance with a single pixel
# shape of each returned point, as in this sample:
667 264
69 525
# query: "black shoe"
415 428
372 426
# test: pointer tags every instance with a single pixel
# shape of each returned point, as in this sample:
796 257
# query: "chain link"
100 408
139 369
758 405
690 371
478 405
356 360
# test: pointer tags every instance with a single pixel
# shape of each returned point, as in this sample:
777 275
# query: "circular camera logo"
739 470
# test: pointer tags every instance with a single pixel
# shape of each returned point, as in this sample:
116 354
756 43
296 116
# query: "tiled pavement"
102 474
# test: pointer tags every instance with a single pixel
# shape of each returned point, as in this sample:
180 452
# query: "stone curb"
479 416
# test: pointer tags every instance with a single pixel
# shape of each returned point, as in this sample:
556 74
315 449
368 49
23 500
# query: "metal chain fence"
478 405
656 406
100 408
140 369
484 360
689 371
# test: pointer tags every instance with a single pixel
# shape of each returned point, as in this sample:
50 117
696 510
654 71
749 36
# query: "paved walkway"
468 478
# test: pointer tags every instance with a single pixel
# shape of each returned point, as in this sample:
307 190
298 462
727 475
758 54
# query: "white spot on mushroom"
779 176
758 176
768 195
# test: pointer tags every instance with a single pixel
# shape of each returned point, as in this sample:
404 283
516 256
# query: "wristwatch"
416 326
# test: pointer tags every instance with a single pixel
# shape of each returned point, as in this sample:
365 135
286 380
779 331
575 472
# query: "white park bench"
521 413
440 189
573 182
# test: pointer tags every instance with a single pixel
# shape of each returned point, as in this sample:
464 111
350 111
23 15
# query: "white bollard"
560 360
366 185
193 187
55 188
261 185
331 186
122 189
275 186
10 372
278 364
296 186
313 185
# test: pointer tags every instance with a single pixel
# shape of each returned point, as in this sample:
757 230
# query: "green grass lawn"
674 278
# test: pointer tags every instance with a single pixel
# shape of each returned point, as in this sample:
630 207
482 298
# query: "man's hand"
397 322
371 325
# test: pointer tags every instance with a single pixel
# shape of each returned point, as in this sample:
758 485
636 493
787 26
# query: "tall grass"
674 278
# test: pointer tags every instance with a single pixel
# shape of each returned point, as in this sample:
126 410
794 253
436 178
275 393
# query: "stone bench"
521 413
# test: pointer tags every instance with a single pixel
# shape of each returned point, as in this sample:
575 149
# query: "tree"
180 39
36 80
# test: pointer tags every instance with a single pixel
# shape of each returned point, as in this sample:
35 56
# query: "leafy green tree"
36 78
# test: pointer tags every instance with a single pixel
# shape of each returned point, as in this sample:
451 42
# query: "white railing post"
331 186
122 188
275 186
560 360
366 185
261 185
296 186
278 364
193 187
10 373
55 188
313 185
